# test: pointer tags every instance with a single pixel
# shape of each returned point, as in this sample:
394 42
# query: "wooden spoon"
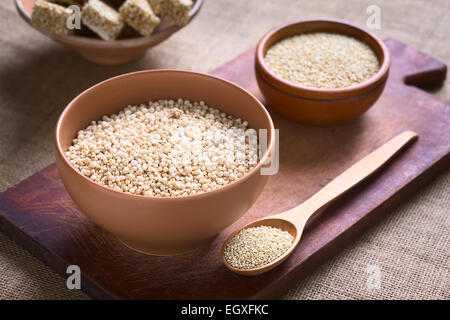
294 220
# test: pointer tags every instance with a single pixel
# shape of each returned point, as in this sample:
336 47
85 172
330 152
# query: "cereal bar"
51 17
139 15
176 11
156 6
102 19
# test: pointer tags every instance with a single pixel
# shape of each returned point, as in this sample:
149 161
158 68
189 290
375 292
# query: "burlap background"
38 77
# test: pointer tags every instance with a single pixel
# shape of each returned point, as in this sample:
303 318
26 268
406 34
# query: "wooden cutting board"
39 215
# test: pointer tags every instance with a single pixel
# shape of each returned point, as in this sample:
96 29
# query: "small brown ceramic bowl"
108 52
153 225
314 106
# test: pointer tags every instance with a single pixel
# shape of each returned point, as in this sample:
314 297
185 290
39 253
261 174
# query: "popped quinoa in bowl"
165 148
151 223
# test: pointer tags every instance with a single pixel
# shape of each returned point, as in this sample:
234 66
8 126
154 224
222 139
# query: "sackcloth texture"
410 248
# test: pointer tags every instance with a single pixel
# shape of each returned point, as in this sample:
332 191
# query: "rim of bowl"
295 88
99 43
253 171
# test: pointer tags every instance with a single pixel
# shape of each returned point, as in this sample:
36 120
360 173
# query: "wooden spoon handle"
353 175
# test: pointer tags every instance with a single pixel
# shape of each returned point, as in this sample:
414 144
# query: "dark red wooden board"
39 215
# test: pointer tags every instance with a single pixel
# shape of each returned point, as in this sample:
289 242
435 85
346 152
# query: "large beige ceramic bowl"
161 226
108 52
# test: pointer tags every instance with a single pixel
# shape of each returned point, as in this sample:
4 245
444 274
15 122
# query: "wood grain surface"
38 213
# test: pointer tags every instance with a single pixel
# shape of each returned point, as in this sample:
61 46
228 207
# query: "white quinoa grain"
256 247
165 148
322 60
